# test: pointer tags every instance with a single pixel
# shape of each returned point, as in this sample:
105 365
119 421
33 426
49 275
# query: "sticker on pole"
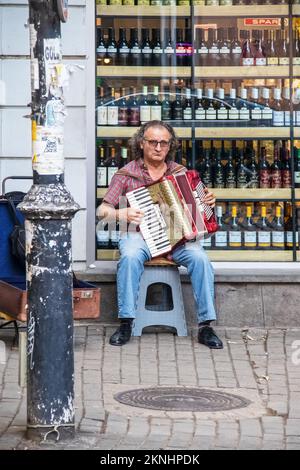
52 57
48 147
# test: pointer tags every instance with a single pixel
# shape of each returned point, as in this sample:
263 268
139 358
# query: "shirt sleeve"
117 188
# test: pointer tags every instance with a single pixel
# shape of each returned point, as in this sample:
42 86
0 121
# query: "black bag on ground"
17 236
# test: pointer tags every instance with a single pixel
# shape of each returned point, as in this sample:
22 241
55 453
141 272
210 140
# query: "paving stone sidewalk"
260 365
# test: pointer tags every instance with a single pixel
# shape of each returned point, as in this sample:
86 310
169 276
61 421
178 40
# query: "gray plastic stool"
166 272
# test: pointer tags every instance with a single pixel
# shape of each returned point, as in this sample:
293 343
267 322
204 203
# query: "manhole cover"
181 399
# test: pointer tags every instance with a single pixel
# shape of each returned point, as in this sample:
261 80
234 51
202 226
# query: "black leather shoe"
121 335
208 337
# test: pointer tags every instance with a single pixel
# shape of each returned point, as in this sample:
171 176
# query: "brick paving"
260 365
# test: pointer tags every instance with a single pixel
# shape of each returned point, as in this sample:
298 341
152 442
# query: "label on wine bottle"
156 113
221 239
267 113
233 113
101 49
244 113
157 50
289 238
235 238
211 113
111 170
135 50
264 179
200 114
249 238
278 118
101 176
222 113
101 115
278 239
206 242
264 239
248 61
145 112
112 115
260 61
256 113
287 118
236 50
297 177
124 50
284 60
111 50
187 114
286 179
203 50
296 60
272 61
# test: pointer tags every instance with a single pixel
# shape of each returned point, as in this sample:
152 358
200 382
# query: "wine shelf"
264 71
108 255
205 11
207 132
221 255
244 132
142 10
296 9
101 192
242 10
123 132
248 194
248 255
133 71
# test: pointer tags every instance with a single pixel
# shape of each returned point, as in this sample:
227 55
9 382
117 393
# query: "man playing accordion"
154 146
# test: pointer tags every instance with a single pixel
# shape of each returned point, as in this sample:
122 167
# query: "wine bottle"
112 166
277 234
133 110
146 48
157 49
249 231
276 181
135 48
101 169
264 232
145 109
177 111
123 114
221 236
166 108
199 109
187 106
235 235
297 167
112 50
112 110
101 110
264 170
155 106
123 48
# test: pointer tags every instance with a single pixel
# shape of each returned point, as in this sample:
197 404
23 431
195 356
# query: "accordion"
173 212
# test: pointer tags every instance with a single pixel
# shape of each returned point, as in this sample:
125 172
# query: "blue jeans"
134 252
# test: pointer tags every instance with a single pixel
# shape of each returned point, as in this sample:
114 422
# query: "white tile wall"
15 132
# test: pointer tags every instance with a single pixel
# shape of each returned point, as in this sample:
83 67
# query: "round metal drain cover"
181 399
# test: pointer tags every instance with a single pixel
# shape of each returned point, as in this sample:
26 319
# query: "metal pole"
48 208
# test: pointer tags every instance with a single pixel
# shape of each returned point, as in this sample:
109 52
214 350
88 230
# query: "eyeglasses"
154 143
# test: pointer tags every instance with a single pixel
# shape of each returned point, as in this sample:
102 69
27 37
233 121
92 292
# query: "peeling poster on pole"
52 57
48 158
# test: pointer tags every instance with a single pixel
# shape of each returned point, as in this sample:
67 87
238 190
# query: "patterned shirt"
139 176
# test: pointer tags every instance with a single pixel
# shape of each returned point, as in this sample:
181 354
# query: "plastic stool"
164 272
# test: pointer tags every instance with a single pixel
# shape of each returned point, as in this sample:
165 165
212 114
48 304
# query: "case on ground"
13 294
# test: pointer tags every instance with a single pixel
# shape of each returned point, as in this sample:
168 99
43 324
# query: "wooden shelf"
124 71
242 132
248 255
108 255
101 192
296 10
241 10
123 132
142 10
247 194
222 255
264 71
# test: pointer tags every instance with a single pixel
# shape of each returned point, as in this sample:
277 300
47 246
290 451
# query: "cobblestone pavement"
260 365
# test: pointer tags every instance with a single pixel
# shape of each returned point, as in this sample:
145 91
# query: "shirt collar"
143 166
